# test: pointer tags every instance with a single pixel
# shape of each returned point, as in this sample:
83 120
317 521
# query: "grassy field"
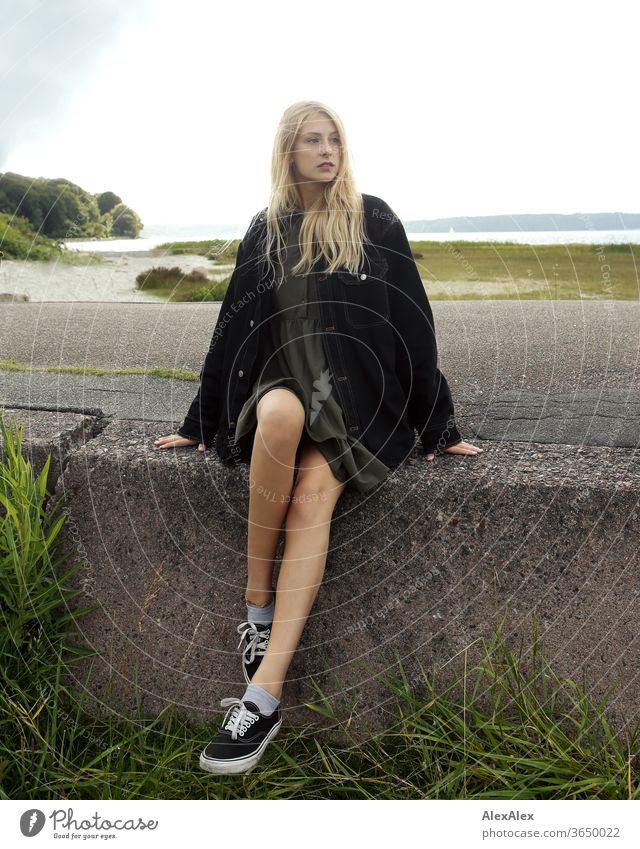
222 250
508 728
450 270
503 270
454 270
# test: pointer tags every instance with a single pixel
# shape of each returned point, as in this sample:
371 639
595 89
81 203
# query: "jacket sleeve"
430 406
201 421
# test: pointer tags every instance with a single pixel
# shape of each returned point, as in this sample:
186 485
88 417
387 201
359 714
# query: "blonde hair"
332 231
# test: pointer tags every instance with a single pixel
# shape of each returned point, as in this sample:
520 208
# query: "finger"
430 456
172 441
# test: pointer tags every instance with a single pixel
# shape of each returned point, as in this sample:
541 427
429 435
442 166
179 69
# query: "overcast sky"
458 108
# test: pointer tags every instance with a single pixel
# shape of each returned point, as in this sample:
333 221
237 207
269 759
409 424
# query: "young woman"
327 317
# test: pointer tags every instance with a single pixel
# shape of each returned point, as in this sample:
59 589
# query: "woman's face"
316 153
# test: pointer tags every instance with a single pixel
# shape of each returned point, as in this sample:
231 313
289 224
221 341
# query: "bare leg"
308 526
280 424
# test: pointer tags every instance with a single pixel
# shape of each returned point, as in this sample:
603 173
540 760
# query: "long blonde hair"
332 232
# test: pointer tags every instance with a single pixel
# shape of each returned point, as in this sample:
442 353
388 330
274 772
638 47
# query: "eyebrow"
316 133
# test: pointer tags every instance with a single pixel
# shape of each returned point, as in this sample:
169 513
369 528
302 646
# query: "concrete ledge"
419 570
57 433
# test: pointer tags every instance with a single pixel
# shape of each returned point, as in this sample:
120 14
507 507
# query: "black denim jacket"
379 337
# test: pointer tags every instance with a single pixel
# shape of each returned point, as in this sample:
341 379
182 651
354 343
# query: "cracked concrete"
56 433
591 417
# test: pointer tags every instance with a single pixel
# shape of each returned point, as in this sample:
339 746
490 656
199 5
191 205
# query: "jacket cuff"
435 440
193 430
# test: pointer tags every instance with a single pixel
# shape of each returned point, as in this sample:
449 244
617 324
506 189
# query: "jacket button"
355 427
240 373
330 328
363 276
251 323
232 424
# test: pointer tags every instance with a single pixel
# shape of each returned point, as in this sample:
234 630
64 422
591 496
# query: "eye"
333 141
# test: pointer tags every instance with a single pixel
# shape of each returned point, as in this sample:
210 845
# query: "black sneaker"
241 742
256 639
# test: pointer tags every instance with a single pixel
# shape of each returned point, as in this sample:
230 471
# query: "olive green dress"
295 359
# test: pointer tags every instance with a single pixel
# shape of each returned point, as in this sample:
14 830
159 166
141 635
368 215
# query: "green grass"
506 728
462 270
173 284
68 257
18 240
172 373
223 250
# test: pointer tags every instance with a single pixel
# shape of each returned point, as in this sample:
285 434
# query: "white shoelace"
241 718
258 640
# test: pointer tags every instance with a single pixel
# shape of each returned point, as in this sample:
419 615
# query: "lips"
326 165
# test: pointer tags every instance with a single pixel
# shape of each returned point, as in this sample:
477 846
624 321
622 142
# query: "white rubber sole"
238 765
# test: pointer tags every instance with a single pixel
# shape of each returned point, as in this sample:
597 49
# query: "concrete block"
419 570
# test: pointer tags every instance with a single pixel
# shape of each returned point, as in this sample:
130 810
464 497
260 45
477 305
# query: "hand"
174 440
461 448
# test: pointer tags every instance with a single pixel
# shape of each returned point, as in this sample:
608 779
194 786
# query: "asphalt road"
563 371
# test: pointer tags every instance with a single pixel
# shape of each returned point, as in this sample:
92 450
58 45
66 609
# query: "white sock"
264 701
261 615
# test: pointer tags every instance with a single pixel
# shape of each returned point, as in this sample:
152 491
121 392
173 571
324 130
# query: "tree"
106 201
126 222
61 209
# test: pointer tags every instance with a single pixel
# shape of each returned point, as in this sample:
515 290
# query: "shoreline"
112 280
449 270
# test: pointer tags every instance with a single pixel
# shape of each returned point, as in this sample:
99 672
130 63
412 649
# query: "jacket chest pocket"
365 296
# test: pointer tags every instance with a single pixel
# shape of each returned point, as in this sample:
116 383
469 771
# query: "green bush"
125 223
215 292
162 277
179 286
18 240
30 591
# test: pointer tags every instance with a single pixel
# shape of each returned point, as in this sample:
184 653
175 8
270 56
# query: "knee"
280 425
314 498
